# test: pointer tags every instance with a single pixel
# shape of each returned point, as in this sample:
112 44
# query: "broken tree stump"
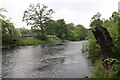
104 40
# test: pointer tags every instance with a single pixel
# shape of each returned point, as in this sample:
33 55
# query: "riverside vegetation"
43 28
94 50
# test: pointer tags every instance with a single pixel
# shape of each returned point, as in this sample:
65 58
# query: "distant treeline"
60 29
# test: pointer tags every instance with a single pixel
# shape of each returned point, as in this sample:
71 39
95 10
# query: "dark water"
58 60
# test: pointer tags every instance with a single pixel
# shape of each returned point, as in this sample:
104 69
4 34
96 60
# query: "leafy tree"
89 34
96 20
115 32
37 16
116 18
9 34
78 35
52 26
82 32
1 15
70 27
25 32
35 32
1 19
61 30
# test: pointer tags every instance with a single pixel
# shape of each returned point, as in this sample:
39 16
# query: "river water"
56 60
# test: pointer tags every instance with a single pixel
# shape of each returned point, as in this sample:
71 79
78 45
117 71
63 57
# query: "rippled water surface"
58 60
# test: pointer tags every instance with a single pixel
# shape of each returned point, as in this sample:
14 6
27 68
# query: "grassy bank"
33 41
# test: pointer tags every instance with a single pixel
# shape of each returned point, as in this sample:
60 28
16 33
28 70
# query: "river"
55 60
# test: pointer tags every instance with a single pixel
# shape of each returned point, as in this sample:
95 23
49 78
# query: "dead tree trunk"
105 42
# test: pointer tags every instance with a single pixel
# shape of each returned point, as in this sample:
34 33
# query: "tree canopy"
37 16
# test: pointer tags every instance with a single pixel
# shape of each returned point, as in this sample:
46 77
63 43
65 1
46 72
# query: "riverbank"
27 41
34 41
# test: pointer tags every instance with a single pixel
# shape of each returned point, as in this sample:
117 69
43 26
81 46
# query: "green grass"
28 42
50 36
99 71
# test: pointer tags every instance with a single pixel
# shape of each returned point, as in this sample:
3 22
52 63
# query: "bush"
114 72
93 50
9 39
99 71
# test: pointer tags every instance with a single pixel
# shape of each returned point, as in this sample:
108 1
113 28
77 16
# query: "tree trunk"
105 42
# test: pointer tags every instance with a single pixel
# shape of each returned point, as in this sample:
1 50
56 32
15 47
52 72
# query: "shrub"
93 50
99 71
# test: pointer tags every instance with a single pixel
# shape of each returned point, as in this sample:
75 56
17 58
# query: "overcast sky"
75 11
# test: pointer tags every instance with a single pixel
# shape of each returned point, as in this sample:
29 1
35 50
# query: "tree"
116 18
37 16
115 32
9 34
61 30
1 19
96 20
52 26
79 32
1 15
24 31
70 27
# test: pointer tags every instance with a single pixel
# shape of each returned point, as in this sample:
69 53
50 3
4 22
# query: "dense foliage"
112 25
9 34
39 17
60 29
